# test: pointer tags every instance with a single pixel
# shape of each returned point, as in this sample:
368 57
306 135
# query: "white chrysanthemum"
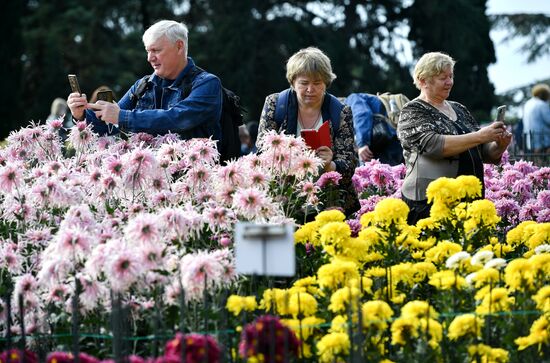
470 278
545 248
496 263
481 258
453 262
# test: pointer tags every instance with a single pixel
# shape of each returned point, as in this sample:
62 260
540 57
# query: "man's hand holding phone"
106 111
76 101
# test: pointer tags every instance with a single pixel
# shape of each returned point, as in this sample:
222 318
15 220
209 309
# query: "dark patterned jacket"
421 131
344 154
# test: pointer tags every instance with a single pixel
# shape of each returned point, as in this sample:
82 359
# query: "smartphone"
105 96
73 81
501 113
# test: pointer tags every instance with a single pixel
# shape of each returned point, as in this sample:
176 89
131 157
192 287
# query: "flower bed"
124 241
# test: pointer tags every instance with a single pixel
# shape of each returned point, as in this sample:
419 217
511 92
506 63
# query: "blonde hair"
310 62
431 65
542 91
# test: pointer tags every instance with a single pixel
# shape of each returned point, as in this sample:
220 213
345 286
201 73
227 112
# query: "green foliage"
246 43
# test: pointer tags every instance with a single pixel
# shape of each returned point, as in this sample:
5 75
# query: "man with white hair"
178 97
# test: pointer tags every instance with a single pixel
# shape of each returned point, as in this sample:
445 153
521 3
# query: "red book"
317 138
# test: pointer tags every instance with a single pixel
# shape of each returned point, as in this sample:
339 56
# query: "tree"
533 28
464 35
11 52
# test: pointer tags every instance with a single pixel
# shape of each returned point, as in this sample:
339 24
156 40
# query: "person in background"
309 73
58 111
93 99
440 138
249 145
244 137
374 136
161 106
536 120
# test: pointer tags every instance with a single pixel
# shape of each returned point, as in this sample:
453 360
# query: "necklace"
311 124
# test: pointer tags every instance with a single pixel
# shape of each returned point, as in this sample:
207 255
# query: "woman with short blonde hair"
441 138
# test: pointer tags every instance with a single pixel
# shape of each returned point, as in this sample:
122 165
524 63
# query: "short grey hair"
171 29
430 65
311 62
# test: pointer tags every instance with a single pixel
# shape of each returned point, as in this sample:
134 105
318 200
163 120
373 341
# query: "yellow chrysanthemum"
540 236
304 328
540 265
486 276
372 257
495 301
520 233
342 298
307 233
519 274
308 284
339 324
483 212
466 325
434 330
302 304
358 250
418 309
367 219
542 298
391 210
394 295
335 237
422 270
376 272
376 315
402 273
469 187
427 243
443 190
447 279
486 354
333 346
440 211
539 334
235 304
327 216
373 236
337 273
427 224
403 330
501 249
440 252
363 284
275 300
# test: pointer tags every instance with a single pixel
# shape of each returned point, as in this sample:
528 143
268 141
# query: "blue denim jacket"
161 109
364 106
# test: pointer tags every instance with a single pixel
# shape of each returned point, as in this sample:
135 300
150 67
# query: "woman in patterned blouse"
441 138
309 73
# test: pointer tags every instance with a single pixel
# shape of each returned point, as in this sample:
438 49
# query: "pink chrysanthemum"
81 135
330 178
25 285
123 269
143 228
72 243
306 165
232 174
114 166
11 176
249 201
